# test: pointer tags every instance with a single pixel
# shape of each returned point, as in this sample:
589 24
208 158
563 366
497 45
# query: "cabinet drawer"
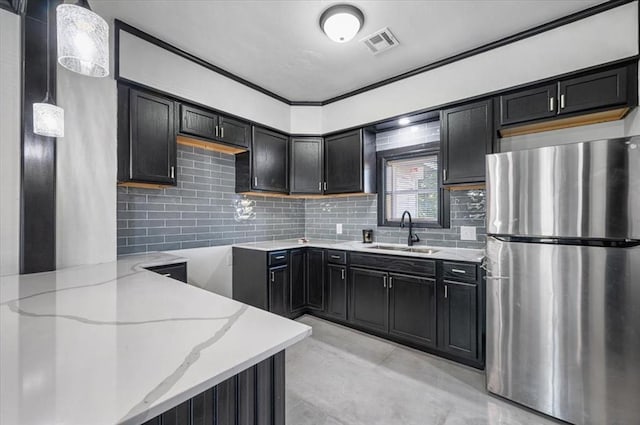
174 271
406 265
460 271
336 257
277 258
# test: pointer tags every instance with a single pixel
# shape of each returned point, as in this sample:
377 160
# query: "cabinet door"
234 131
297 281
153 138
595 91
270 155
412 309
336 291
467 136
369 302
528 105
278 287
306 165
315 279
343 163
198 122
459 316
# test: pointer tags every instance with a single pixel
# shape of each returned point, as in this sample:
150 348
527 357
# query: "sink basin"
417 249
391 247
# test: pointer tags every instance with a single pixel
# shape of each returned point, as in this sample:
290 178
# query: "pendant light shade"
341 22
83 40
48 119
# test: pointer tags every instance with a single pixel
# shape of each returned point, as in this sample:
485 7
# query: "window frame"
410 152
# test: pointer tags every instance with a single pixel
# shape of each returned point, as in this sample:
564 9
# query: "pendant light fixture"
83 40
341 22
48 119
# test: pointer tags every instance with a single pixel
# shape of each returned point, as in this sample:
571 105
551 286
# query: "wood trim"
210 146
144 185
301 196
556 124
465 187
594 10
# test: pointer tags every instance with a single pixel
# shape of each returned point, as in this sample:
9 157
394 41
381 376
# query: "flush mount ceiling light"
83 40
48 119
341 22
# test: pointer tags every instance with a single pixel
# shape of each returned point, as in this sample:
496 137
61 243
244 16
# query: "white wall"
10 116
306 120
209 268
153 66
598 39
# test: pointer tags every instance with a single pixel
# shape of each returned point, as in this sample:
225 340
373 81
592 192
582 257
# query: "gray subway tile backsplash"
199 211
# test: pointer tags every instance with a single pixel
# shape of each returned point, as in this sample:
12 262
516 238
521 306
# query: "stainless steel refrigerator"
563 280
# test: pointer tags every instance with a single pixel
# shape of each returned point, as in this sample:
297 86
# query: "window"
410 181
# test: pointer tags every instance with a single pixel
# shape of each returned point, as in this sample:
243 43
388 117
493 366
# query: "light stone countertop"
116 344
443 253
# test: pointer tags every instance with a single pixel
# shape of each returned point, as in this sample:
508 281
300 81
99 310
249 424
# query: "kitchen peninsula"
114 343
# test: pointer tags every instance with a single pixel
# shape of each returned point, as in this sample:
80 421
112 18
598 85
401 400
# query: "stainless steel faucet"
412 238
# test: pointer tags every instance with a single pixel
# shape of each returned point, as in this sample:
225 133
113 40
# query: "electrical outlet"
467 233
339 229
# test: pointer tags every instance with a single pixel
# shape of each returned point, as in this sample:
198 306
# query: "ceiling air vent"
380 41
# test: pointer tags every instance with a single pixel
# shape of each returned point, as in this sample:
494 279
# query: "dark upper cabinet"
146 137
315 279
297 283
234 131
528 105
307 159
278 288
350 162
198 122
600 90
459 319
369 303
336 291
269 161
466 137
412 309
209 125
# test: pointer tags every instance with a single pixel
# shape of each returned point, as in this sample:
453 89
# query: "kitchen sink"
417 249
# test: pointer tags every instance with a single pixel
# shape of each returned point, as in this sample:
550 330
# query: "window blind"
412 185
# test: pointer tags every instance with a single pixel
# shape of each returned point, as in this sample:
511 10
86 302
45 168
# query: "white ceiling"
279 45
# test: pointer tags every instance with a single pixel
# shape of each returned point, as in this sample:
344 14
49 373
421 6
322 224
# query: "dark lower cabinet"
336 292
315 282
459 319
298 278
369 304
412 309
255 396
278 288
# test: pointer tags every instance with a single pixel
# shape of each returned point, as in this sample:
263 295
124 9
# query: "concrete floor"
339 376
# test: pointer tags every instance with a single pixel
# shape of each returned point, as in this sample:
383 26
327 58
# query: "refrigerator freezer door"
563 330
580 190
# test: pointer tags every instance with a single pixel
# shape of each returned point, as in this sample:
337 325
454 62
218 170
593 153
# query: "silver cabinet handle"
444 174
562 101
459 271
342 274
337 257
384 281
280 257
552 103
320 186
222 132
273 277
446 291
216 131
255 181
173 172
325 185
390 282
